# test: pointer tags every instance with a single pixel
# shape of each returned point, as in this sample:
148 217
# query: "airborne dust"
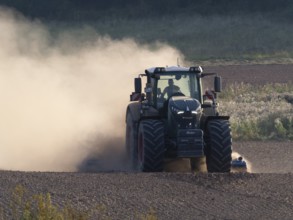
63 96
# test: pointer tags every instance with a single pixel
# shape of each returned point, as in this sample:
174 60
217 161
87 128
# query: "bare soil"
267 157
264 194
254 74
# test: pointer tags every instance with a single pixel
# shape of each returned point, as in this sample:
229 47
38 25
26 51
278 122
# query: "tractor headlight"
176 110
180 112
196 111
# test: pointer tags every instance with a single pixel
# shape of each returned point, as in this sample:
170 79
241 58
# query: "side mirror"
218 84
137 85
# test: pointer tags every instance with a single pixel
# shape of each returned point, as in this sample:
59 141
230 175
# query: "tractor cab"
172 84
163 83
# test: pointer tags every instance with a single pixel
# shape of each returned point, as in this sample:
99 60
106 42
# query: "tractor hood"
182 104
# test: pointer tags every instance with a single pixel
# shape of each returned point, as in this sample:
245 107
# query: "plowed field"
264 194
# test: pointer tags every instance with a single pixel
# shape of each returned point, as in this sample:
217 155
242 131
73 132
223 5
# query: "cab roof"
196 69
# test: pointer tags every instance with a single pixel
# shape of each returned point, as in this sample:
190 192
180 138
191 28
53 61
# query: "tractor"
173 119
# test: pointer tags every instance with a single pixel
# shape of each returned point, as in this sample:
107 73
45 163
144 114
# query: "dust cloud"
63 96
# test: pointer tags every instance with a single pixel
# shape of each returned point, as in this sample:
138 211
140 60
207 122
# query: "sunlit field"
259 112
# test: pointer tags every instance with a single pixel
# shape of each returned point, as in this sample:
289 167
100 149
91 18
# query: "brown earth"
254 74
267 157
170 195
265 194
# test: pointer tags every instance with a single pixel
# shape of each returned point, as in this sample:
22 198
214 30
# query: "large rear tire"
219 146
151 146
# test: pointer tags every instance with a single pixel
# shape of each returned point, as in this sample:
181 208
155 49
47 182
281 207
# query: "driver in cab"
171 89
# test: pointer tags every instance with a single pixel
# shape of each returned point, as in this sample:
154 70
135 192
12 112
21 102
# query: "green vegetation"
151 215
251 31
40 207
259 112
208 38
25 206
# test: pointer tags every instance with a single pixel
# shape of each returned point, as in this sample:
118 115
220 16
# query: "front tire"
219 146
151 146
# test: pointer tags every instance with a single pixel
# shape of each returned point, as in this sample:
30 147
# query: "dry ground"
265 194
127 195
254 74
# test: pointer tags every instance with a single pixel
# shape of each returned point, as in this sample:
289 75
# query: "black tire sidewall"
153 146
218 146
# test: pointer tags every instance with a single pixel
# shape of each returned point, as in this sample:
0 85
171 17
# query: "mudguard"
134 110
